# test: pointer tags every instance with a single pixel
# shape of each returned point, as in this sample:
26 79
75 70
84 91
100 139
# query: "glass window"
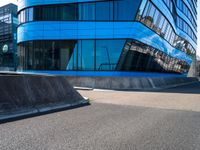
108 53
26 15
38 13
164 28
155 21
123 9
169 33
71 12
156 17
152 11
19 17
146 10
22 16
161 22
62 13
37 55
65 52
30 52
103 10
30 14
87 11
74 60
172 38
47 55
136 56
86 49
49 13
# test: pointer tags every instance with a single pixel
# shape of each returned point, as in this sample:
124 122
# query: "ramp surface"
35 93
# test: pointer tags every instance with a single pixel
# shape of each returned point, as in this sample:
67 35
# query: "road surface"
114 121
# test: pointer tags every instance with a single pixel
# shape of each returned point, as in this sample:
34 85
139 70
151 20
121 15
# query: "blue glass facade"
114 35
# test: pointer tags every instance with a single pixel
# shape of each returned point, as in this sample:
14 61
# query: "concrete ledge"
130 83
22 95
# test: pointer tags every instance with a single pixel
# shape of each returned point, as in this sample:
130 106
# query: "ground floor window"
96 55
45 55
70 55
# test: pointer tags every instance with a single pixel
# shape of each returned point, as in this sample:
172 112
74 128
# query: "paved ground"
114 126
180 98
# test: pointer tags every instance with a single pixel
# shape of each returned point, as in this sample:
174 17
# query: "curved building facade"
146 36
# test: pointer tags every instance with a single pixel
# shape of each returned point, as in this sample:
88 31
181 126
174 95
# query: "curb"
37 111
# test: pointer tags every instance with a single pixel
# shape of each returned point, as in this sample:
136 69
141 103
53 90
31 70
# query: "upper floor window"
94 11
155 20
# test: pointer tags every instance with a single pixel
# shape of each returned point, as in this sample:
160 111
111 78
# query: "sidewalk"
180 98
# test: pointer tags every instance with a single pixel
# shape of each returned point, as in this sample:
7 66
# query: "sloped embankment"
29 94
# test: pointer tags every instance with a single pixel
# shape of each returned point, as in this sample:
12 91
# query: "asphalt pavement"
113 125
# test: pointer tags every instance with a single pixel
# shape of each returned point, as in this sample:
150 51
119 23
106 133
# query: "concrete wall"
193 68
198 68
128 83
24 92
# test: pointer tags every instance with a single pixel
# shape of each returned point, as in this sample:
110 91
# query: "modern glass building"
8 36
112 36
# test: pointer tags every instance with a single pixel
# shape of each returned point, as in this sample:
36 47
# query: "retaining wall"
35 93
128 83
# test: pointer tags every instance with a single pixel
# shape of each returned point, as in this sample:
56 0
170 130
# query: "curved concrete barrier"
28 94
130 83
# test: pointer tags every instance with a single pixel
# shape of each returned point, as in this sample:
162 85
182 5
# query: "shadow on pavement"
193 88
